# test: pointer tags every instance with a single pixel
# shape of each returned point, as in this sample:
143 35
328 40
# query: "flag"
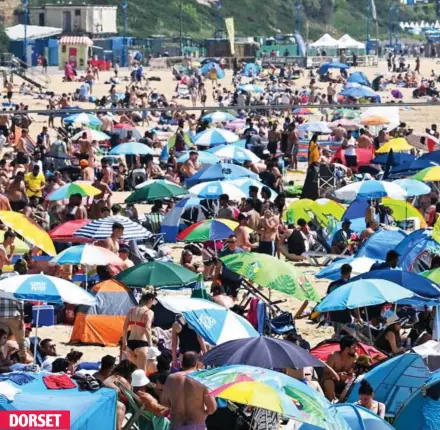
373 10
230 28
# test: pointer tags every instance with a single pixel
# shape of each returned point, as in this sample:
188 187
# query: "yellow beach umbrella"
397 145
375 120
403 209
308 209
430 174
29 230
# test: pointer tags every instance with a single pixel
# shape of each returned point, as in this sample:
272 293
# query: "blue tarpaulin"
88 411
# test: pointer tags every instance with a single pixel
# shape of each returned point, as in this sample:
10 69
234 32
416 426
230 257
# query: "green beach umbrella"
199 290
346 113
155 189
157 274
272 273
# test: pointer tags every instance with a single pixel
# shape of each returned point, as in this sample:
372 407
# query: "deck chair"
281 325
140 418
327 180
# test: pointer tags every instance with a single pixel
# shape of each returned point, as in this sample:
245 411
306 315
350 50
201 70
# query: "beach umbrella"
347 114
236 124
370 190
245 183
91 135
64 232
358 92
218 117
316 127
155 189
374 120
312 210
270 390
272 273
413 187
398 159
214 189
28 230
304 111
362 293
399 144
251 69
250 88
214 137
239 144
205 157
430 174
348 124
220 172
262 351
209 229
101 228
206 70
122 130
359 418
214 323
157 274
83 118
417 283
87 255
402 210
236 154
84 189
131 148
333 271
171 143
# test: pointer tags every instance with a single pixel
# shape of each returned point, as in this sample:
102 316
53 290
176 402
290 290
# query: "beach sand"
418 117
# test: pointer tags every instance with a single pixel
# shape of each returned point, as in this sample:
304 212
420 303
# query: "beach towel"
17 378
9 391
58 382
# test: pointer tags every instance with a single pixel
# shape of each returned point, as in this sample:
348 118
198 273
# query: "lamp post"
368 22
124 51
390 23
397 25
298 6
181 27
25 41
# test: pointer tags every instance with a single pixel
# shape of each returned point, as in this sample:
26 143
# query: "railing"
21 68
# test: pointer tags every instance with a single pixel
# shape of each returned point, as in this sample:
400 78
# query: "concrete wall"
91 19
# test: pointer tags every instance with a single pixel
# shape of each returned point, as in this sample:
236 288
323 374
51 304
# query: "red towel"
58 382
252 315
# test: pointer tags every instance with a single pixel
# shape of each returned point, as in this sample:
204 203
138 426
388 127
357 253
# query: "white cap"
139 379
153 353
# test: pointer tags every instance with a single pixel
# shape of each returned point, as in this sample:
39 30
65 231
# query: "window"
63 49
77 12
41 19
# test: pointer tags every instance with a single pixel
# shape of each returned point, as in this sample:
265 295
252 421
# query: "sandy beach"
418 117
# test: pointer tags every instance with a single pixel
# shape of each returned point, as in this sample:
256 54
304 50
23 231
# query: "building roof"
76 40
33 32
74 6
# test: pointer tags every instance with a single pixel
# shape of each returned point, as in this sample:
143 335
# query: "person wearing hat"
152 355
87 172
124 253
341 238
144 390
390 340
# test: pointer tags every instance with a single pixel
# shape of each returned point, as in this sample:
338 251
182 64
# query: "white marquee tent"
347 42
325 41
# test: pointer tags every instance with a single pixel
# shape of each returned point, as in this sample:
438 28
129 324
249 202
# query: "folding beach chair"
141 419
327 180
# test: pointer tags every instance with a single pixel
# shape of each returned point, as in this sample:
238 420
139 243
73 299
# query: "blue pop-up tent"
88 410
359 78
327 66
378 244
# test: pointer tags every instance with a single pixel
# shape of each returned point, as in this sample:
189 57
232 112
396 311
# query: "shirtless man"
189 401
192 165
269 223
87 173
85 147
7 249
16 192
107 173
102 199
22 156
342 362
4 122
112 242
242 233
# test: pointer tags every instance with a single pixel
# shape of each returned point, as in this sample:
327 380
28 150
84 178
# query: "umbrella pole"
436 328
36 335
369 328
86 276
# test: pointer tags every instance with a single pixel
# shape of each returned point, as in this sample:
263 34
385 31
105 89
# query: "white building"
76 18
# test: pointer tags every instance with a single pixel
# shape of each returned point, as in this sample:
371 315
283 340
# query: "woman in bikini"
138 324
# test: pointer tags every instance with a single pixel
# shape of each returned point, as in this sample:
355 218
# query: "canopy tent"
17 32
102 323
325 41
347 42
88 410
327 66
416 251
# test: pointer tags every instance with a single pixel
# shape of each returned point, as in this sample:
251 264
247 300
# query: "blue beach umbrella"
131 148
239 144
358 92
214 136
217 117
370 190
214 323
251 69
249 88
214 189
206 69
245 183
359 418
362 293
204 157
236 154
83 118
413 187
333 271
398 159
220 172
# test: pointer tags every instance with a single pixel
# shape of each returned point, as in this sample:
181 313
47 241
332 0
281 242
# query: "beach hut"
421 411
102 323
76 50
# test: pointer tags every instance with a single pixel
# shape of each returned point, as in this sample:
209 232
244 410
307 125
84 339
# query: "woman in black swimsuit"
137 334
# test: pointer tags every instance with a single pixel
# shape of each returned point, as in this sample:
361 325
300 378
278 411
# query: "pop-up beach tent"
102 323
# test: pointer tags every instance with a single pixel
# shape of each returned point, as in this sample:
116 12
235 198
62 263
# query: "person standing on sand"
189 401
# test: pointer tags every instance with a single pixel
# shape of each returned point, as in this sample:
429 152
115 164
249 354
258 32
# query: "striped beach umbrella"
131 148
214 189
214 136
210 229
217 117
83 118
87 254
84 189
